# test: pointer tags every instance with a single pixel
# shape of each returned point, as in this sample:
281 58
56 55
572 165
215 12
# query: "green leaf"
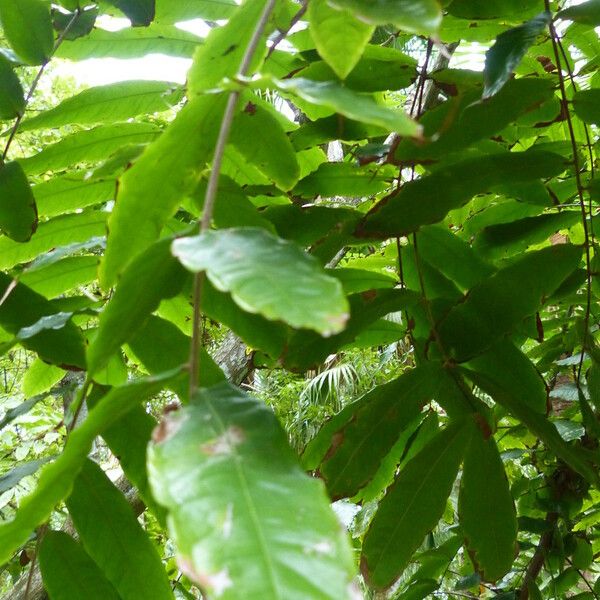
68 571
538 424
587 104
40 377
355 106
183 10
152 276
223 468
25 469
268 276
18 212
108 104
139 12
75 25
420 203
358 448
165 172
508 51
339 36
88 146
12 99
71 192
586 13
60 231
56 480
492 308
23 308
131 43
259 136
487 510
114 539
221 54
416 16
499 9
28 28
413 505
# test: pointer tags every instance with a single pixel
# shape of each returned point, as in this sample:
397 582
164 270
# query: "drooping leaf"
420 202
88 146
492 308
114 539
223 468
108 104
358 448
165 172
418 16
18 211
56 480
139 12
339 36
270 276
28 28
413 505
60 344
12 99
486 509
586 103
69 572
510 47
152 276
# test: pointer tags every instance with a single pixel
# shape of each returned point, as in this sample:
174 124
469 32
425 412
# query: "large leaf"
339 36
586 13
420 202
152 276
506 54
267 275
587 105
486 509
23 308
223 468
139 12
420 16
12 99
108 104
28 28
69 572
89 146
165 172
56 480
499 9
183 10
492 308
413 505
131 43
18 212
357 449
112 536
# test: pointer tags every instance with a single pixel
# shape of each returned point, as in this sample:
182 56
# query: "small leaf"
223 468
27 26
487 510
25 469
114 539
40 377
56 480
18 212
75 25
506 54
413 505
415 16
339 36
267 275
12 99
139 12
68 571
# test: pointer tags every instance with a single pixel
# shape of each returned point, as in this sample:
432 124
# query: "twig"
211 190
283 34
580 193
36 81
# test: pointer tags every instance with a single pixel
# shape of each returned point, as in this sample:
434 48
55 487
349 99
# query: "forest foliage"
398 248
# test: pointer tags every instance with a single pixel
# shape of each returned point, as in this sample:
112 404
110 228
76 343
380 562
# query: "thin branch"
212 187
580 192
283 34
36 81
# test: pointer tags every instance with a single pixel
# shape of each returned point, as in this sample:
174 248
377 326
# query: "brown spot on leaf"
168 427
250 108
225 443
